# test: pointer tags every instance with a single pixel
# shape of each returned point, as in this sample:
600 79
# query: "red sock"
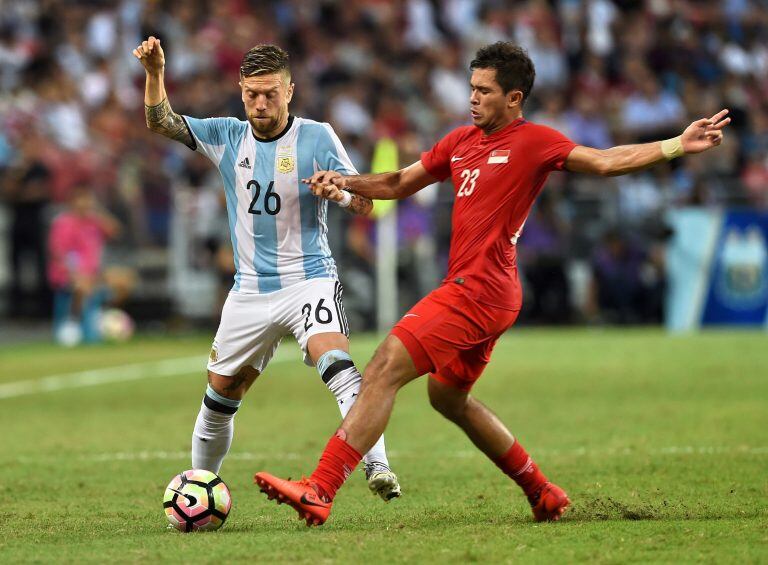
520 467
336 464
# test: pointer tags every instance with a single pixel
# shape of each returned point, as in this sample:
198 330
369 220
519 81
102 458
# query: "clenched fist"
151 55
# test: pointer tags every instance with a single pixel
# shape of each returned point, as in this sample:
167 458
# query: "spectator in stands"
25 190
542 255
651 112
627 281
76 245
613 72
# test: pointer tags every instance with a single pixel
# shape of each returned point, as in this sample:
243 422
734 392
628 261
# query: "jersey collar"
279 135
507 128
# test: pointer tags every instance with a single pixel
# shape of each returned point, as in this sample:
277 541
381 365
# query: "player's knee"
452 410
218 384
451 403
382 373
233 387
390 367
217 408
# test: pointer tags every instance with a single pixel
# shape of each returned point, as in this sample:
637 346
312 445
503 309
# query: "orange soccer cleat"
301 495
549 503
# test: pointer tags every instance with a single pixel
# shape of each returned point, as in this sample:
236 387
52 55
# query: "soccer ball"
197 500
115 325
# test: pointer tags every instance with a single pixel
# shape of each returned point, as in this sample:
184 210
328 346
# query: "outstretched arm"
699 136
383 186
160 117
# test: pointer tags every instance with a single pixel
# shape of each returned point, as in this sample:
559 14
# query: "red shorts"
451 336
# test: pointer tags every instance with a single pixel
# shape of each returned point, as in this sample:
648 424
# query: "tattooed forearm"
163 120
360 205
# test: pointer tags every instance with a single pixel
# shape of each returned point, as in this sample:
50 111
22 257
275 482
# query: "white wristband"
346 199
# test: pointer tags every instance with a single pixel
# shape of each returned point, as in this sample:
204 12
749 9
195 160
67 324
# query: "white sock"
343 379
213 432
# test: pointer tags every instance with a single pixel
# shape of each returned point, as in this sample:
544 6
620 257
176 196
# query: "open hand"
151 55
705 133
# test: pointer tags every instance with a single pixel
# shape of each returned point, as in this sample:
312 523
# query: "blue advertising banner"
717 269
738 290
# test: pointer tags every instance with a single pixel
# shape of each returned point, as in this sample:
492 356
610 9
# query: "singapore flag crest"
498 156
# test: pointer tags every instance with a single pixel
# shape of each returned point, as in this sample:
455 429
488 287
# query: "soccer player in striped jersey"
286 280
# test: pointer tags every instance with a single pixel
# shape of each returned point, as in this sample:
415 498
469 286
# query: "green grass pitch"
661 442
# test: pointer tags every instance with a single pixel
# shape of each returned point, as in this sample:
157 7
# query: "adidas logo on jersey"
245 163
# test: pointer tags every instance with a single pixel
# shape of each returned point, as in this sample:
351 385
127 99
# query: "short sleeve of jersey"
553 146
210 135
437 161
330 154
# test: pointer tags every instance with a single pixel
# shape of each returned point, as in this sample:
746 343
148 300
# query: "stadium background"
659 441
608 72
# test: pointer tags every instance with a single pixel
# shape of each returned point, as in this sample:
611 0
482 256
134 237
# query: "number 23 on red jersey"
468 182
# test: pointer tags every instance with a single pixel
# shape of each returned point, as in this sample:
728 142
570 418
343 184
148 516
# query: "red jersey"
496 179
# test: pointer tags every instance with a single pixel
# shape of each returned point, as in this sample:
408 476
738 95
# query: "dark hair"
264 60
514 68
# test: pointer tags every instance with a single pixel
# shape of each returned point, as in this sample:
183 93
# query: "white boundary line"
118 374
266 455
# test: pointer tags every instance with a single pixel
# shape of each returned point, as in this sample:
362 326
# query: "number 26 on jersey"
469 179
271 202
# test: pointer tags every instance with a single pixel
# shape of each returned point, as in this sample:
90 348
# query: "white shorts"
252 325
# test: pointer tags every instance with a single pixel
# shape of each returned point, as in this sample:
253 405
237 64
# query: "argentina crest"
285 160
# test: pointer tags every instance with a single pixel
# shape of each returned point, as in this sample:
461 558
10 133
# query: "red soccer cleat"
301 495
549 504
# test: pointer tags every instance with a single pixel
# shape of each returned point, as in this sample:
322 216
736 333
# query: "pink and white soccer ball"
197 500
116 325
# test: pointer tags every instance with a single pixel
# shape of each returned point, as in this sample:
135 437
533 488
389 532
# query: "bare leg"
344 384
233 387
390 369
320 343
493 438
482 426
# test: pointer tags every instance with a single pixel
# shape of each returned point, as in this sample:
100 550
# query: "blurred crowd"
608 73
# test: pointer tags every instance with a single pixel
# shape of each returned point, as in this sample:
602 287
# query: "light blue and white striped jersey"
278 227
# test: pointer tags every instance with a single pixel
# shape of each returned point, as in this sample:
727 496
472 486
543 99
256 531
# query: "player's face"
266 99
490 106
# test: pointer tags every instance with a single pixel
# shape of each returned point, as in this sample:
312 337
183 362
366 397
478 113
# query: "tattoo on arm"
360 205
163 120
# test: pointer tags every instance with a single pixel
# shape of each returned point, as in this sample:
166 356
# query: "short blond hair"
264 60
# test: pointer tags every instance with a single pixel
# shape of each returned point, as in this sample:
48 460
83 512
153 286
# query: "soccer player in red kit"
498 166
